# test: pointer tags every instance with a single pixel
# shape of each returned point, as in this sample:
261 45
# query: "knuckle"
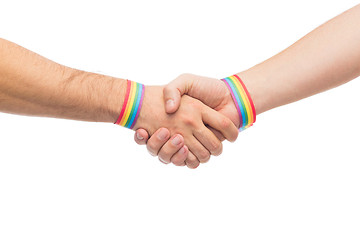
188 120
184 75
199 131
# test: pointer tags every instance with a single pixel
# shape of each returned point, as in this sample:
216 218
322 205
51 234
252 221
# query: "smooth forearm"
325 58
33 85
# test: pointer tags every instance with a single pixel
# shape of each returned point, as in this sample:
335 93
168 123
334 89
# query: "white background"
294 175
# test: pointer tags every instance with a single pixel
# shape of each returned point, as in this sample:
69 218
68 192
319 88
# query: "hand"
189 121
210 91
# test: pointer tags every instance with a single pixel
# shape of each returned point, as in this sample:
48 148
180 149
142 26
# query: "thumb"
174 90
141 136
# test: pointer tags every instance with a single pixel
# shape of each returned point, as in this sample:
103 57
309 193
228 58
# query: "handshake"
189 118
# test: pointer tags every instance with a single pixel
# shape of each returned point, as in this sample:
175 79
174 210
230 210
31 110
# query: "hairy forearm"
33 85
325 58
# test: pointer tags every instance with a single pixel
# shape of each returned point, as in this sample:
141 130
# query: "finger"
200 152
221 123
191 161
157 140
173 92
208 140
141 136
217 133
163 161
180 157
170 148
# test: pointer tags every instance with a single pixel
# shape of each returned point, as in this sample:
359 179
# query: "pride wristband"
242 100
132 104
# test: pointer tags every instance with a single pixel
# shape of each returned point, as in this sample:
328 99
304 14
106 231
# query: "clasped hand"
199 114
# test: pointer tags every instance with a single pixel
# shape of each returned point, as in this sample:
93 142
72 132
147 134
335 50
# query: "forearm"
33 85
325 58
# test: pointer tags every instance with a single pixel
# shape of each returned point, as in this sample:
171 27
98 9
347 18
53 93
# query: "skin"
217 97
189 121
325 58
33 85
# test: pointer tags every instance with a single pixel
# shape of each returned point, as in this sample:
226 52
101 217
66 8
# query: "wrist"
152 110
228 106
132 104
242 101
255 83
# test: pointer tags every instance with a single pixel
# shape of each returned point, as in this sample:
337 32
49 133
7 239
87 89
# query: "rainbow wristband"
132 104
242 100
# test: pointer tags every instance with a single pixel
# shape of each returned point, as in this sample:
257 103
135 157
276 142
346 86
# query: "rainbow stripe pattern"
132 104
242 100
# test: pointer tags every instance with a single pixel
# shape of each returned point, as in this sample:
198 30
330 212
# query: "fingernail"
182 150
170 103
162 161
176 140
162 135
138 136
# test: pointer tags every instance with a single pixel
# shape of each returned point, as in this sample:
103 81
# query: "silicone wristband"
242 100
132 104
